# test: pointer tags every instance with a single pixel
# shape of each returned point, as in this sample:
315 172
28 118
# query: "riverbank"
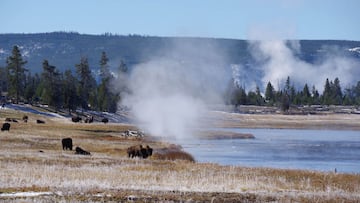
331 121
32 162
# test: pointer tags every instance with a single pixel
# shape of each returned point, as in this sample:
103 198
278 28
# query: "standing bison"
139 151
25 118
67 143
78 150
5 127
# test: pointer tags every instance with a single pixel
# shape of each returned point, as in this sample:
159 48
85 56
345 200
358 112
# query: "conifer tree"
30 87
3 80
69 91
326 96
270 93
306 96
51 85
337 95
104 95
86 85
16 74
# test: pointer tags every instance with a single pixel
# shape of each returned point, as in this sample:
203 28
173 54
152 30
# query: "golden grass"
328 121
174 155
115 177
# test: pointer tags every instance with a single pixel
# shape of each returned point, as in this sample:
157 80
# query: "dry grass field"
324 121
34 168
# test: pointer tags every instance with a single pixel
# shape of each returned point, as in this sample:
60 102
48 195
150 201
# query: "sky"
235 19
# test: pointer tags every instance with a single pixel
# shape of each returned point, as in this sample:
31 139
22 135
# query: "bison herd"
133 151
67 143
87 119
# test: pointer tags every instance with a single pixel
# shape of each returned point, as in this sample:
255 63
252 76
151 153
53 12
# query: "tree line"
289 95
65 90
61 90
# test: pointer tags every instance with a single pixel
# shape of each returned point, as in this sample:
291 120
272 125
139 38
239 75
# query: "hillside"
65 49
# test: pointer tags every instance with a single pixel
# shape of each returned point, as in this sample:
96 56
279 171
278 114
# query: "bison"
89 119
67 143
11 120
78 150
76 119
25 118
105 120
139 151
6 126
38 121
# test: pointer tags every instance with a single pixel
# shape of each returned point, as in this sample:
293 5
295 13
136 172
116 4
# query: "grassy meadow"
34 168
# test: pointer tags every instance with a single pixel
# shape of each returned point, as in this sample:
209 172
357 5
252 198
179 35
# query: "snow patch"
25 194
355 49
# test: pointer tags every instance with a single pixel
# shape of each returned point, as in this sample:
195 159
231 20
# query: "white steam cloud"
278 60
169 93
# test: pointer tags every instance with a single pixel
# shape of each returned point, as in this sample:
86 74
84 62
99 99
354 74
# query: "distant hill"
64 50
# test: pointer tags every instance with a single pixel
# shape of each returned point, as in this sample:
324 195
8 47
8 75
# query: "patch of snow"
355 49
26 53
24 194
26 108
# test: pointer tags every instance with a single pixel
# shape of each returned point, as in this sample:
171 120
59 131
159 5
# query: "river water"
322 150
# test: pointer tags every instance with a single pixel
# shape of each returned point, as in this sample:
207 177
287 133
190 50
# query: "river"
321 150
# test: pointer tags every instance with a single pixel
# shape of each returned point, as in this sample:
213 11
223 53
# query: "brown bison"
139 151
78 150
25 118
5 127
76 119
67 143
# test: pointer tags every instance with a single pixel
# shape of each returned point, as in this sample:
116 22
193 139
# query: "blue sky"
238 19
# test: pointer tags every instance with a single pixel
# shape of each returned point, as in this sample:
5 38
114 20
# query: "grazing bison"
105 120
40 121
11 120
78 150
89 119
25 118
76 119
6 126
67 143
139 151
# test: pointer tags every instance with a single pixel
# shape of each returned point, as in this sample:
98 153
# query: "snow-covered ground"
120 117
25 194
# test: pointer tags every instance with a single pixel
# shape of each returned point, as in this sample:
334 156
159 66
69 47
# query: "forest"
61 90
66 90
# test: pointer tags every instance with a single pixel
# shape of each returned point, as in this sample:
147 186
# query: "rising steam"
169 93
277 60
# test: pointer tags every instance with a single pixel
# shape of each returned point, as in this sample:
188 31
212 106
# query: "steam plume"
277 59
170 92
